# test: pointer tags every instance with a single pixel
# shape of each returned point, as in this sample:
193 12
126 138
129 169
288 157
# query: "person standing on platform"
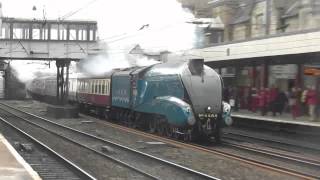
263 100
293 102
304 109
272 101
226 94
280 102
299 103
254 100
312 102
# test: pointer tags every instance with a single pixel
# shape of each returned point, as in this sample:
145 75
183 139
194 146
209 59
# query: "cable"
71 13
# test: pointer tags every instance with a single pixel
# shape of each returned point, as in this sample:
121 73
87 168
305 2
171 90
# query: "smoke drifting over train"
156 26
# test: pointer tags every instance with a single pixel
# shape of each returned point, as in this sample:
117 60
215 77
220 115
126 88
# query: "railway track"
238 136
275 156
286 157
55 164
145 165
300 161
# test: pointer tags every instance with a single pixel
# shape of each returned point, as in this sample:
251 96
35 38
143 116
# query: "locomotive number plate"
210 115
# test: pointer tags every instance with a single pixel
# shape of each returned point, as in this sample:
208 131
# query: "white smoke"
102 63
26 71
155 25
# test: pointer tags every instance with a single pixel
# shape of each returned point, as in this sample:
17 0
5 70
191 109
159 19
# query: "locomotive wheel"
186 137
161 127
189 136
168 131
175 134
152 126
106 115
131 120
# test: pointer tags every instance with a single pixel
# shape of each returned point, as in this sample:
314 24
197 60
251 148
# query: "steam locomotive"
181 99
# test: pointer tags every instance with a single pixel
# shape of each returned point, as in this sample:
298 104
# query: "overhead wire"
71 13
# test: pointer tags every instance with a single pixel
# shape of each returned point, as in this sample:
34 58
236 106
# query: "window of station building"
36 34
5 31
54 32
20 31
92 33
62 32
82 34
72 34
77 32
39 32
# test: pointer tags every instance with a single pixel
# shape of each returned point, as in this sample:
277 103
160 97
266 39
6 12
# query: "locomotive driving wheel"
152 126
168 131
187 137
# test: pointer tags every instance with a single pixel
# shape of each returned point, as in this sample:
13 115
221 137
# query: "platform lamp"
34 9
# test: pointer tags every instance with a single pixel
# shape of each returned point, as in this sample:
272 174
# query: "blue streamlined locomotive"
179 98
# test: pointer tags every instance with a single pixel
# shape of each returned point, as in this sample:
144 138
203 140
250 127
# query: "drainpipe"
268 16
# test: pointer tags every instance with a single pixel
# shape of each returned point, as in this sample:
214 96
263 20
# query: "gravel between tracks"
94 164
41 161
214 165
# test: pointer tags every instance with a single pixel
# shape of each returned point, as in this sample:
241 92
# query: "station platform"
12 165
285 118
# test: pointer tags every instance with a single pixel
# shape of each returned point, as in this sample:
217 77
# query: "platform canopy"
287 45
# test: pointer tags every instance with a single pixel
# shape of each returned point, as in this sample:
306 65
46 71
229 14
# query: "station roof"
299 46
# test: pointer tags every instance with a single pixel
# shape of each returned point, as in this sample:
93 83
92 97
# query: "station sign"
312 71
288 71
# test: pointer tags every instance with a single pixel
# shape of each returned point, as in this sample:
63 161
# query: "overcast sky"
119 22
118 19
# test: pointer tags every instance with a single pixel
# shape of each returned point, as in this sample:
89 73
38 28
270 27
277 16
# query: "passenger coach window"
107 87
92 87
99 87
96 87
103 89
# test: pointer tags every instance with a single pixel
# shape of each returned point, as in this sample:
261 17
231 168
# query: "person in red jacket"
254 100
273 100
263 98
312 102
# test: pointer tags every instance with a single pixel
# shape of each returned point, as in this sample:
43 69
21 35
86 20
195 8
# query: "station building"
265 43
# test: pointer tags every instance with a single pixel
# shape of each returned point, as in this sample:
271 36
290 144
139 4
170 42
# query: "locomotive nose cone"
191 120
